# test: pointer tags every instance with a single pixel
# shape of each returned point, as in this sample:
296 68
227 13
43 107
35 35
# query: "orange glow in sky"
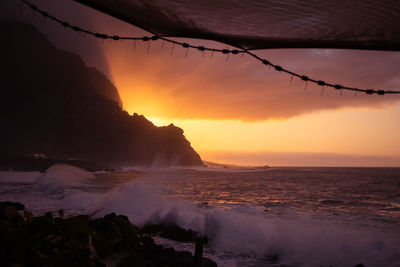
237 106
343 132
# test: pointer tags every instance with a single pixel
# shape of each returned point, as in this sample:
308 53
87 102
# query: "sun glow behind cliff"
234 106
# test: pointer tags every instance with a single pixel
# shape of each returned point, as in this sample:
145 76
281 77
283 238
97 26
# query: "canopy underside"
255 24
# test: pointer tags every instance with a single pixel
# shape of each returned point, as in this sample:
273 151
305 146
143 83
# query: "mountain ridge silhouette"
51 103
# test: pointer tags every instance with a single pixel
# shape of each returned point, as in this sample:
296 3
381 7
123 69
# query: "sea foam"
56 179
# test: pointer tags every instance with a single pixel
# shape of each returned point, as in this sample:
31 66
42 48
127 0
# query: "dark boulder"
82 241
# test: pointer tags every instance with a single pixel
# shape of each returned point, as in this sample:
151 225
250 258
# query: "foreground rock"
80 241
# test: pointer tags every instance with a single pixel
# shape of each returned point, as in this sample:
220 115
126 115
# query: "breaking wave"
241 235
246 231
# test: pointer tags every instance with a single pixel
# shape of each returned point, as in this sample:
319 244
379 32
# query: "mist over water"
298 216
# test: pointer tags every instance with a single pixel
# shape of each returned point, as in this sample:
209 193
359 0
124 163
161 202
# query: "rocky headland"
53 104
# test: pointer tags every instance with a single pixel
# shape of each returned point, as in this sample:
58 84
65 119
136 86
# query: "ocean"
300 216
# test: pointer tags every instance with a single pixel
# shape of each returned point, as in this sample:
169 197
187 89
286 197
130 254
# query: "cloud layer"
241 88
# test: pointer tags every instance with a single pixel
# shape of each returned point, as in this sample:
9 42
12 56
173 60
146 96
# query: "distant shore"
40 163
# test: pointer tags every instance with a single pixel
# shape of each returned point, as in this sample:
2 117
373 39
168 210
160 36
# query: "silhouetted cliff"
52 103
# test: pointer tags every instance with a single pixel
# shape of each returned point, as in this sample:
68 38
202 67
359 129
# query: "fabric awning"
261 24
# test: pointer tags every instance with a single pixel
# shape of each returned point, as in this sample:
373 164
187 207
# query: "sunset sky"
235 110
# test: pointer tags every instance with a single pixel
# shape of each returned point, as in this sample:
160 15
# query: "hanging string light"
203 49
